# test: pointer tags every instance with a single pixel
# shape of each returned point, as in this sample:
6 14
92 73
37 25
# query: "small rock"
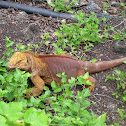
112 10
111 106
93 6
22 16
104 88
115 4
119 46
31 31
3 18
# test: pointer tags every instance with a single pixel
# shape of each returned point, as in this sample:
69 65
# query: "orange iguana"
43 68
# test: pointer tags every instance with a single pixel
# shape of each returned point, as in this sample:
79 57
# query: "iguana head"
18 60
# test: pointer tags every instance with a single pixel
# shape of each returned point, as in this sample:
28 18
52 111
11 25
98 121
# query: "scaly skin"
43 68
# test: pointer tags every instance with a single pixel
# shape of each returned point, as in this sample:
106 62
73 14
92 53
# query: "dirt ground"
23 28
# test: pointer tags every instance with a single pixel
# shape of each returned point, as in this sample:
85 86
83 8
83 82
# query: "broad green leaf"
81 79
64 80
84 112
3 121
58 90
53 84
46 88
12 110
85 103
100 121
86 92
3 69
75 107
88 82
2 78
34 117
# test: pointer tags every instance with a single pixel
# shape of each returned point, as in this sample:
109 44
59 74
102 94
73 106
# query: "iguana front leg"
38 88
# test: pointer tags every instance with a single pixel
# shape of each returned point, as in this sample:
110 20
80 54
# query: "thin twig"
109 97
119 24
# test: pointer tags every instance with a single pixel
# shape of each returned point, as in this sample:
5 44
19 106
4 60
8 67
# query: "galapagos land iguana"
43 68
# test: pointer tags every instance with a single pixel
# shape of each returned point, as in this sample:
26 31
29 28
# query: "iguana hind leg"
91 79
91 87
38 88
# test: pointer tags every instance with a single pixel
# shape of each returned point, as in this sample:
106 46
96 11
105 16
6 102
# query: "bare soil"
23 28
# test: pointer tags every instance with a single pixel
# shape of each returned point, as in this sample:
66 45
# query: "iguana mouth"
11 66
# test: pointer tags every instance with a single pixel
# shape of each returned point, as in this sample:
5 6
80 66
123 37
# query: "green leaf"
47 35
84 59
124 61
21 47
59 75
46 88
9 43
81 80
2 78
93 60
86 92
42 37
12 110
75 107
47 42
54 44
121 113
88 82
3 69
58 90
86 75
3 121
100 121
122 4
124 98
53 84
63 80
35 117
118 72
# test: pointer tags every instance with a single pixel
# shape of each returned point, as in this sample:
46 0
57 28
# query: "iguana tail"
102 65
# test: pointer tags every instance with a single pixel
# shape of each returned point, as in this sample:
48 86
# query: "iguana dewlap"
43 68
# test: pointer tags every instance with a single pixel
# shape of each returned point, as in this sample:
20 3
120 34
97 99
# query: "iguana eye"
18 61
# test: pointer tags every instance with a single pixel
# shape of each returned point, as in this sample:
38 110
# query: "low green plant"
123 12
64 108
11 115
85 31
57 50
121 83
13 84
122 114
62 5
105 6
